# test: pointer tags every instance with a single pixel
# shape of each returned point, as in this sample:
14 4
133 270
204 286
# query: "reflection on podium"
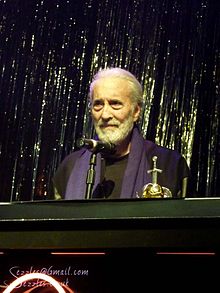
111 246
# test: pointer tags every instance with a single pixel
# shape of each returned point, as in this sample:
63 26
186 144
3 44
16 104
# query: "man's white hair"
116 72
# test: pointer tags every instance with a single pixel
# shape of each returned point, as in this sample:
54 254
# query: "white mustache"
105 124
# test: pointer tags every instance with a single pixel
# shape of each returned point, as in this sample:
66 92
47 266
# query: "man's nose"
106 112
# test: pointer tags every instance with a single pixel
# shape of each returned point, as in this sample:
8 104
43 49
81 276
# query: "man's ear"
136 113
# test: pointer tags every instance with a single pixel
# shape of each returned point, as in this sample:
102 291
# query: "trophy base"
154 190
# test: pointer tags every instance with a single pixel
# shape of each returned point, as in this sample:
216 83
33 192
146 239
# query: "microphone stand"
90 179
96 148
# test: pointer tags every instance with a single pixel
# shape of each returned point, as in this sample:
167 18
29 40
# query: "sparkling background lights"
49 51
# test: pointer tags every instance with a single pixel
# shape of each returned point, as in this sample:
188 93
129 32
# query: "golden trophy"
154 190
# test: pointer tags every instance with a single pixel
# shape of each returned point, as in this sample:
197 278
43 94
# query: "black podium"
113 245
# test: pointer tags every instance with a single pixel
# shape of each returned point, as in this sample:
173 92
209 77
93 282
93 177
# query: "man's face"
112 110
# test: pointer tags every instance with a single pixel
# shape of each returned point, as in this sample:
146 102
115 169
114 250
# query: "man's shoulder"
155 149
72 157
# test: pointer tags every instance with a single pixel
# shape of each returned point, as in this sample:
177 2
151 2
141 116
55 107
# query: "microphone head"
106 147
96 146
80 142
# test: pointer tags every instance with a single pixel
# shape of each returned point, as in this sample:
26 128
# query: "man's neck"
123 148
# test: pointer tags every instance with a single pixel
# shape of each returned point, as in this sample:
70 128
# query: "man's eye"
97 105
116 105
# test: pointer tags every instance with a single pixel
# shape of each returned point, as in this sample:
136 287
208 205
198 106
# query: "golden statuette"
154 190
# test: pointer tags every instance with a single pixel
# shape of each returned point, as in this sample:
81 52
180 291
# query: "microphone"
96 145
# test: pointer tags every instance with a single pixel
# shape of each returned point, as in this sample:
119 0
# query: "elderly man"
116 101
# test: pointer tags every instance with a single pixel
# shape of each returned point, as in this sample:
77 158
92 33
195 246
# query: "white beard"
117 134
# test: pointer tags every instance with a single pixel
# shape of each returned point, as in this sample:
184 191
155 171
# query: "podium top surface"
111 209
